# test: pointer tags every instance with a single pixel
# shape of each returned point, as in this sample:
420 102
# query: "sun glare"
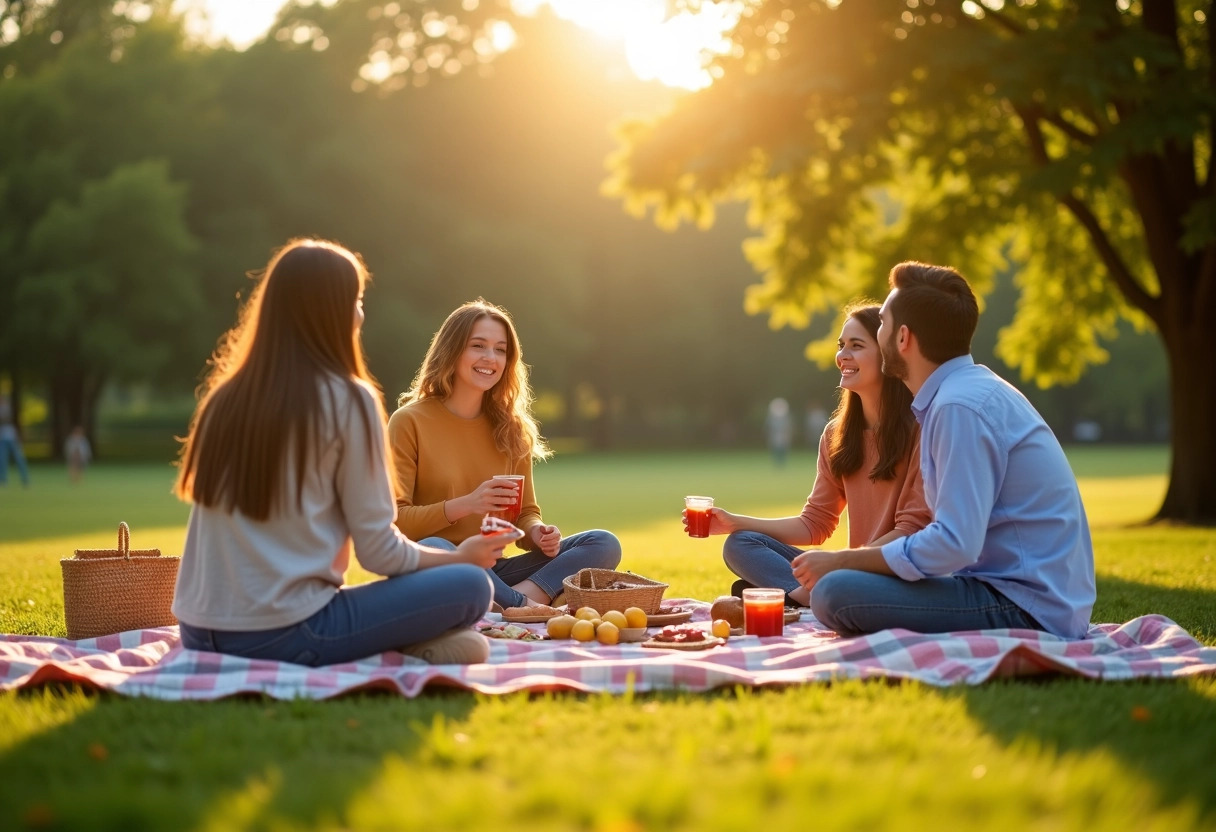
673 51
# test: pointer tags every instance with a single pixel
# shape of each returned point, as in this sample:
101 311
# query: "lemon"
607 633
616 617
582 630
720 628
560 626
635 617
587 613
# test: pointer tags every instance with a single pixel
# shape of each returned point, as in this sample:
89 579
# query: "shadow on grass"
1163 731
132 764
1122 600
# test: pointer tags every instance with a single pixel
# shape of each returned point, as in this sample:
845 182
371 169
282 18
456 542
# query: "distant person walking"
816 421
10 444
779 426
78 453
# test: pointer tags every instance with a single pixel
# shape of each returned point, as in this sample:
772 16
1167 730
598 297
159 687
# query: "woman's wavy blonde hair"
508 404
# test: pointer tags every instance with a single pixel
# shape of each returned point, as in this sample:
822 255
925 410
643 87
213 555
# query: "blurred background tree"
1065 143
462 152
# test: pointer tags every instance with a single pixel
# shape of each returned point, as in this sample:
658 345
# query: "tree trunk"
1191 496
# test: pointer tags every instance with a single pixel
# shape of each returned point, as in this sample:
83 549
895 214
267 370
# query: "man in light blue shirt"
1009 544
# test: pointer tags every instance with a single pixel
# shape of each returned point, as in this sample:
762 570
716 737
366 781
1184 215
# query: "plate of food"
497 527
682 638
538 614
792 614
668 615
511 631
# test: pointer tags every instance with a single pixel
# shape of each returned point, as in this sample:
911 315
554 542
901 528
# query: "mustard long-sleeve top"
438 456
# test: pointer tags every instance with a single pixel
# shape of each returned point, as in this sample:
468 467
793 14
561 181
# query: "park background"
142 191
142 175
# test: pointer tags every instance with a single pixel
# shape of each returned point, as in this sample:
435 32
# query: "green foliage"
108 284
1045 753
864 133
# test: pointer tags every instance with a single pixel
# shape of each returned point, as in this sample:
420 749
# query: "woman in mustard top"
465 419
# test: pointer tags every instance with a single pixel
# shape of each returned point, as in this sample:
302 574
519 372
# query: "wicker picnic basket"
113 590
595 588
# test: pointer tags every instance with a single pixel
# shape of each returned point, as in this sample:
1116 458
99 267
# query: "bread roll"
730 608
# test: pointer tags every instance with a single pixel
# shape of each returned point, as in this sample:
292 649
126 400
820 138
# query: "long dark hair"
896 428
263 388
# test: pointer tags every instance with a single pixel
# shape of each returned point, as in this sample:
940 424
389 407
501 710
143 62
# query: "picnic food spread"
510 631
530 615
682 638
730 608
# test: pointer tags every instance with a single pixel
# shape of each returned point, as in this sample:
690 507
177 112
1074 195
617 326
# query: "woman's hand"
482 550
491 495
721 521
547 538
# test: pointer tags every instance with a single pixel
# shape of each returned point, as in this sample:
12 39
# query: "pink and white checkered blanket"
152 663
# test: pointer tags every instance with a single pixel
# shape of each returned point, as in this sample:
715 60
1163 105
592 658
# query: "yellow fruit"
596 622
635 617
720 628
583 630
560 626
607 633
616 617
587 613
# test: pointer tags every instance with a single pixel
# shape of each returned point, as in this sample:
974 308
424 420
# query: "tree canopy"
1067 140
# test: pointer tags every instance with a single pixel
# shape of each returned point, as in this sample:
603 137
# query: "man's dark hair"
937 305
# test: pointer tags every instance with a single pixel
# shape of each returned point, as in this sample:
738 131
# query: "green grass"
1055 754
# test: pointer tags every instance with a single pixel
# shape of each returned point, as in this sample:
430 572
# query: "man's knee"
832 593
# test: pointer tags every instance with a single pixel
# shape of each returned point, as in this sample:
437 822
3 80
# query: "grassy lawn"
1044 754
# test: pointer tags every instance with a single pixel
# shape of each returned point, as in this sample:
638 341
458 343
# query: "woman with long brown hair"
466 418
869 461
286 466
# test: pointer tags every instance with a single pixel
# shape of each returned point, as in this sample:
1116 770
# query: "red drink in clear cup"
764 612
511 512
697 510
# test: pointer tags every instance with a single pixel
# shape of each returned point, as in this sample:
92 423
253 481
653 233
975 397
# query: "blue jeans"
363 620
761 560
594 549
854 603
12 447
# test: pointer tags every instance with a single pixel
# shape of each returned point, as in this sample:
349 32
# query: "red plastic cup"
764 612
698 511
511 512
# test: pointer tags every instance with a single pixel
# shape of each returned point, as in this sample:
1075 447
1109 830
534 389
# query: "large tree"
1068 139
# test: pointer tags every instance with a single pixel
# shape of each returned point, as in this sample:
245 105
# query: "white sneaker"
453 647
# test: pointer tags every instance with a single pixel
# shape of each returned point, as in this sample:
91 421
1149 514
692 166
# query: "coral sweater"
437 456
875 506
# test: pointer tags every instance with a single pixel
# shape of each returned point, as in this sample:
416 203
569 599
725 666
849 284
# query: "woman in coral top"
869 461
465 419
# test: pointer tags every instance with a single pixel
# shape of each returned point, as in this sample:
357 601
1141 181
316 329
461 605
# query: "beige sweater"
243 574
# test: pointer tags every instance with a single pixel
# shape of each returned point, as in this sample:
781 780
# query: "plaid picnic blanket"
152 663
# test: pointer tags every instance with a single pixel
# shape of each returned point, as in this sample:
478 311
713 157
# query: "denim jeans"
761 560
855 603
594 549
12 447
363 620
